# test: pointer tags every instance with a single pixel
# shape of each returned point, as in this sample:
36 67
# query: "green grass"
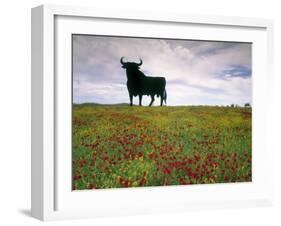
121 146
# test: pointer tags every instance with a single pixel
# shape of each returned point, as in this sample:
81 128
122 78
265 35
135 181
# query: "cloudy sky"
197 72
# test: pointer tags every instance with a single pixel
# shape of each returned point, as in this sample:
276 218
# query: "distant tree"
232 105
247 105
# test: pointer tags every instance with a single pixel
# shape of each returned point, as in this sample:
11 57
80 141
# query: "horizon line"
123 103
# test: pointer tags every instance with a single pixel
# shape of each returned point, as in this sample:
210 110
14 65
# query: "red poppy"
91 186
150 155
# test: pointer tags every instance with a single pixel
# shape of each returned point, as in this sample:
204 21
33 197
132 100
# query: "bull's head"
130 65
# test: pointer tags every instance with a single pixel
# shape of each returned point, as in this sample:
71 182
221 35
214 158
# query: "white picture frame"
51 197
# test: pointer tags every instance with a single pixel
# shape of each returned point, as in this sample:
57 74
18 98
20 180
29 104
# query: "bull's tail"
165 96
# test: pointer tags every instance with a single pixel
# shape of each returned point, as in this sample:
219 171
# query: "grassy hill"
122 146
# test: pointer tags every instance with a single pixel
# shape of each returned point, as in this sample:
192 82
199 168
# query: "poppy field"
118 146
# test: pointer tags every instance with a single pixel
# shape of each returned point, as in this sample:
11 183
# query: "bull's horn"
140 63
121 60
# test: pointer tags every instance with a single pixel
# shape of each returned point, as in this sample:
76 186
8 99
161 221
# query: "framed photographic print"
137 112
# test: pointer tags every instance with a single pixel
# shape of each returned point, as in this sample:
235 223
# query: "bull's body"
139 84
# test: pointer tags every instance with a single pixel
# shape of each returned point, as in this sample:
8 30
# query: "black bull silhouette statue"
139 84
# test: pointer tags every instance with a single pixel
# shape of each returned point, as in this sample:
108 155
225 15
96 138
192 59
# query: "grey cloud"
196 66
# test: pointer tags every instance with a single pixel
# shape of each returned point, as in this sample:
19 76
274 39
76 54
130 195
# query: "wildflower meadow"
118 146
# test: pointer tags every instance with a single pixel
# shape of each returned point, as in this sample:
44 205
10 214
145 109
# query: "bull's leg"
131 99
161 101
152 100
140 98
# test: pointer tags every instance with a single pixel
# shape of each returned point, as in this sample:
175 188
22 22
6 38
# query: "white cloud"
194 70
